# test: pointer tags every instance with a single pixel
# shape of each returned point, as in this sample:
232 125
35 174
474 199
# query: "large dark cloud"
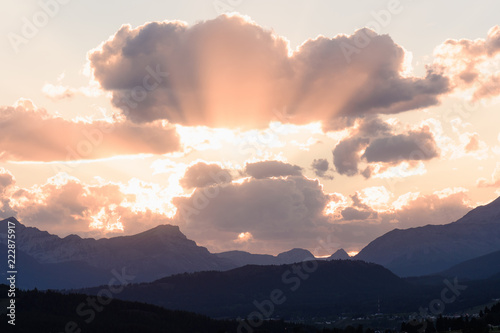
202 174
414 146
381 145
229 72
33 134
280 213
266 169
346 155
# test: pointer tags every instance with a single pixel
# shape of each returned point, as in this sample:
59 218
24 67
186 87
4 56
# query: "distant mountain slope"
294 255
478 268
435 248
312 288
49 261
155 253
340 254
242 258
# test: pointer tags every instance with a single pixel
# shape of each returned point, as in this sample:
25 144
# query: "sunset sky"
253 125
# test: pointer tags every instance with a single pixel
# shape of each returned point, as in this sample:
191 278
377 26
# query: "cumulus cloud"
472 64
346 155
6 181
231 72
31 133
279 213
202 174
414 146
358 221
65 205
374 143
266 169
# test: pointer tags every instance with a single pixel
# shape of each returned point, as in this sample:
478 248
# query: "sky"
252 125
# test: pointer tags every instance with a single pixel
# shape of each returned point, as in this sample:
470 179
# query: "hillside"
435 248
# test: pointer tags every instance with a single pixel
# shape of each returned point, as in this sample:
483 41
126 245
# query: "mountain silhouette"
435 248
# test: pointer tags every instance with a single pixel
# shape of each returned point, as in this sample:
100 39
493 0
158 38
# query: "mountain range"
468 248
49 261
435 248
308 289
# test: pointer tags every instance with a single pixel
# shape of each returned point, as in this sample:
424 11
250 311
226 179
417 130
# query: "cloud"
494 181
32 134
202 174
244 237
346 155
320 167
279 213
376 144
351 213
414 146
266 169
440 207
57 92
473 144
6 179
358 223
472 64
231 72
65 205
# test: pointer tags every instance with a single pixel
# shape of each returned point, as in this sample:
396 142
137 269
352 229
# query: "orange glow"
244 237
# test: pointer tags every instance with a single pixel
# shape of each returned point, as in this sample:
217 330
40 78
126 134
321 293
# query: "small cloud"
320 167
244 237
494 181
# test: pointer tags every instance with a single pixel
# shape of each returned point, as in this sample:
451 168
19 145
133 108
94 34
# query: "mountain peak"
294 255
4 223
164 230
339 254
11 219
